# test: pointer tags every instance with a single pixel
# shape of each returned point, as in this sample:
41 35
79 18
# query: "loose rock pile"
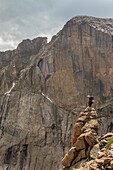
102 156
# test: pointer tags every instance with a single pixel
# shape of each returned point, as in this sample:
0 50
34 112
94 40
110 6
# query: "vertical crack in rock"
35 165
4 113
8 156
23 156
2 109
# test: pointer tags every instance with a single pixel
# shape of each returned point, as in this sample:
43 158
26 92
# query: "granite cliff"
43 88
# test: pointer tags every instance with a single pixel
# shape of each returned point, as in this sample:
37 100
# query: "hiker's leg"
90 106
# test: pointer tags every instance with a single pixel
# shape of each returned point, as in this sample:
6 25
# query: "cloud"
8 44
22 19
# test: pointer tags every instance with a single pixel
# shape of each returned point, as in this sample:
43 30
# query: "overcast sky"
23 19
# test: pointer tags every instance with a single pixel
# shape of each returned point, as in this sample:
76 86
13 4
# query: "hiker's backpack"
91 99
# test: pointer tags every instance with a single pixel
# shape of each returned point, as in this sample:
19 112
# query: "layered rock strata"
85 136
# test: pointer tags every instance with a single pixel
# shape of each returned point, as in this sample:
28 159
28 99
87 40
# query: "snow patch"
8 92
47 97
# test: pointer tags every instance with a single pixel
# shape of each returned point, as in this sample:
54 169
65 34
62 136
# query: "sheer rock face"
34 132
76 62
80 62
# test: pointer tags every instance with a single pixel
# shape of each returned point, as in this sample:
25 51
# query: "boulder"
111 163
95 151
92 124
80 143
81 155
101 154
107 135
76 132
91 137
67 160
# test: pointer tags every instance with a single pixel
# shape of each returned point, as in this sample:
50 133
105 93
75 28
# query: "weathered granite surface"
43 88
34 132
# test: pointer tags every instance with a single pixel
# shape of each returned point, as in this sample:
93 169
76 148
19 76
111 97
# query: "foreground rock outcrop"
89 151
100 157
85 135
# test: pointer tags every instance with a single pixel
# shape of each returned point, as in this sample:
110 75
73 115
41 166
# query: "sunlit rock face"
79 61
44 87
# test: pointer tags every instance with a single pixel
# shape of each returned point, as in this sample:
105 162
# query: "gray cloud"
21 19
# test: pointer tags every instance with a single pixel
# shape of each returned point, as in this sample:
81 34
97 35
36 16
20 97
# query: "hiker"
90 101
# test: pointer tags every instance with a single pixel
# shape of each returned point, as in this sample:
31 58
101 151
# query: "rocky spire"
85 135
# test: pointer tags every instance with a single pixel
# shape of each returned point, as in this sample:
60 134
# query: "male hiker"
90 101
